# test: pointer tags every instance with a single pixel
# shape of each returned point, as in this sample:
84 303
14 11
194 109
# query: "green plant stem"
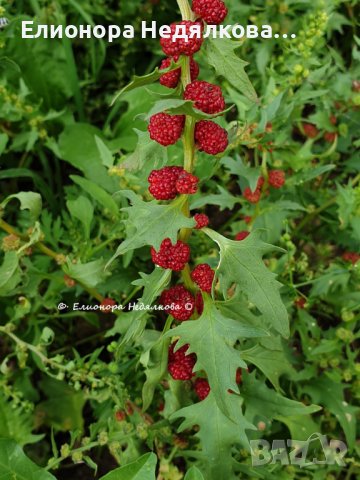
32 348
185 10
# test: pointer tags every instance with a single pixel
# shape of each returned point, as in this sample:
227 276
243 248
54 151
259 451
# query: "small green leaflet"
137 81
212 338
241 263
97 193
217 433
194 474
141 469
89 274
151 223
220 53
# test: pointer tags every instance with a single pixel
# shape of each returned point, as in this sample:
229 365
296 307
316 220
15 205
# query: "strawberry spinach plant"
179 271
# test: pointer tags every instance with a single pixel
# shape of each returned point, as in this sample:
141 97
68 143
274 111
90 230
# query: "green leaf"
237 167
150 223
307 175
331 394
82 209
261 400
8 268
146 152
220 53
217 433
28 201
141 469
212 337
132 324
3 142
271 361
78 146
14 464
137 81
97 193
177 106
194 474
89 274
224 200
106 156
241 263
156 362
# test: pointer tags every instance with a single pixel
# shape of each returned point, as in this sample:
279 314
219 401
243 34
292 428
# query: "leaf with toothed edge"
151 223
242 263
212 337
217 433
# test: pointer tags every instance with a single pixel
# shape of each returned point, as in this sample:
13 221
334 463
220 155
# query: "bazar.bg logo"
297 452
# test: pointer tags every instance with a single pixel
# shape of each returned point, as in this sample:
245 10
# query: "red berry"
180 365
202 388
310 130
199 303
210 137
181 301
300 303
163 182
166 129
239 376
242 235
186 183
276 178
351 257
107 304
207 97
69 282
203 276
212 11
181 46
330 137
171 79
120 415
247 219
174 257
202 220
252 197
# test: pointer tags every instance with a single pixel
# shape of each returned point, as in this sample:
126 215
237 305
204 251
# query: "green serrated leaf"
141 469
212 337
237 167
220 53
152 223
217 433
257 395
224 200
177 106
241 263
141 81
8 268
89 274
14 464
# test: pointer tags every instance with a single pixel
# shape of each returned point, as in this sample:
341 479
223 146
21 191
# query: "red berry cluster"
180 365
167 183
276 179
